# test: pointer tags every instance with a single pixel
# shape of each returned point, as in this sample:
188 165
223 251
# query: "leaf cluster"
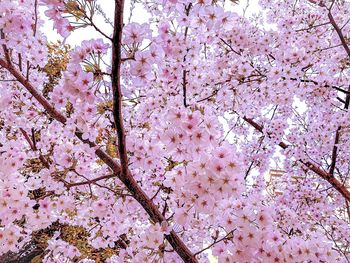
58 58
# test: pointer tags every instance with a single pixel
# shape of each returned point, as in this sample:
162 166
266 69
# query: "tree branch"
96 28
41 99
92 181
313 167
125 175
127 178
115 75
339 32
347 99
184 72
337 136
215 242
35 17
334 151
184 86
34 149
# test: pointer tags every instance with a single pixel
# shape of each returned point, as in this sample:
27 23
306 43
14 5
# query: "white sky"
139 15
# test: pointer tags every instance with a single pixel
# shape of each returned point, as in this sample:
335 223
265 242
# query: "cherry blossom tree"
154 141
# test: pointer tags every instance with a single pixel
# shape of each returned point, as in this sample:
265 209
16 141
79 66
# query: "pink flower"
136 33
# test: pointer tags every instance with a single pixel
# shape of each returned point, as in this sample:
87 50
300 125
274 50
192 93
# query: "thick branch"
125 175
117 94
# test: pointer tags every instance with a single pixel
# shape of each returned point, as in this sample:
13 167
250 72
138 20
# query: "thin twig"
340 187
34 149
214 243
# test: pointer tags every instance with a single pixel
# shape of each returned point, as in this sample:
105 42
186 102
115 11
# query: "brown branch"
334 151
128 180
33 139
312 166
26 254
6 51
347 210
208 97
215 242
347 99
128 58
96 28
55 114
339 32
41 158
184 72
20 62
230 47
34 149
125 175
35 17
20 78
27 139
334 24
184 86
316 83
157 192
92 181
59 117
115 75
337 137
261 139
312 27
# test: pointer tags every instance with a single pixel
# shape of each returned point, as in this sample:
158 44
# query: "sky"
138 15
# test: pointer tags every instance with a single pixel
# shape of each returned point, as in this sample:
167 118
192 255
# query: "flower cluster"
236 132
